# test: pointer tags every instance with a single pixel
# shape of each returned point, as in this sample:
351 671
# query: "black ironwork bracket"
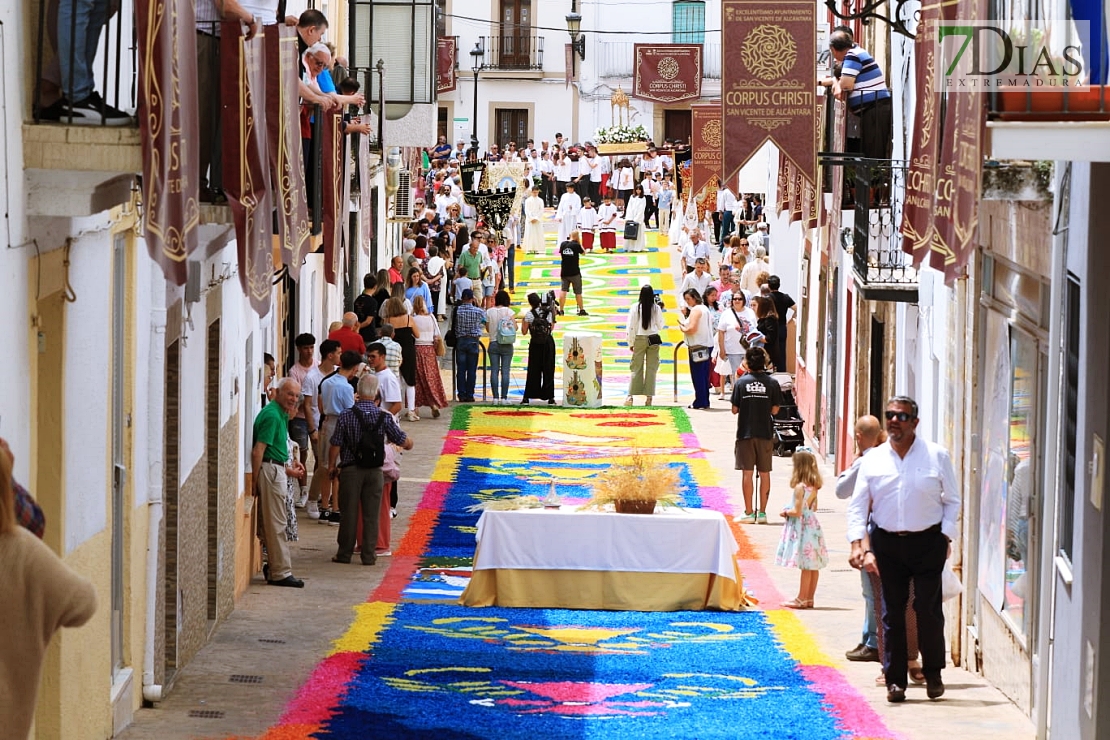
896 21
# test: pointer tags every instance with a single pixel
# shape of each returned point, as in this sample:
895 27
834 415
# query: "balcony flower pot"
1048 105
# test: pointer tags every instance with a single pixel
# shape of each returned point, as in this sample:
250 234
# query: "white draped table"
676 559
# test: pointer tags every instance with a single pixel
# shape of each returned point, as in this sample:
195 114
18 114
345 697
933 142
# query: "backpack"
541 325
370 451
506 330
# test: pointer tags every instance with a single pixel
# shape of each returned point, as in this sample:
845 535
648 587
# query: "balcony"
513 51
615 59
883 271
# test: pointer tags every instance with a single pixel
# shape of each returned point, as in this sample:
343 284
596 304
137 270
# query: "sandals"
798 604
435 413
628 401
917 675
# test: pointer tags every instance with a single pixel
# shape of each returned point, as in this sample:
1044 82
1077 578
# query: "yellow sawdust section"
796 639
371 619
444 470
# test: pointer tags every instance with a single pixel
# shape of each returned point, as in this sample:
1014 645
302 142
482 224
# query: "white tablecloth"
677 541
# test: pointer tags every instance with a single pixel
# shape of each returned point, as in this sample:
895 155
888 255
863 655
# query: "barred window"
688 22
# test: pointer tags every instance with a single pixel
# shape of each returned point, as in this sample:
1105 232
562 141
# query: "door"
515 34
512 125
676 125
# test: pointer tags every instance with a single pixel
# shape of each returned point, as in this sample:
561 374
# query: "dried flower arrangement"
636 486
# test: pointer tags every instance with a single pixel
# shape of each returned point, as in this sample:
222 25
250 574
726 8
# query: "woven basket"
635 507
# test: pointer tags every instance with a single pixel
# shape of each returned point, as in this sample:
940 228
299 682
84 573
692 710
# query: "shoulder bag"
632 230
451 340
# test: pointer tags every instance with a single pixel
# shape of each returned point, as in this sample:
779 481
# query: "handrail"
674 364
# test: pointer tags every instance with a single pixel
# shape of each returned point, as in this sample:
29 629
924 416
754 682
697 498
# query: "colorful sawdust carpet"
610 285
414 664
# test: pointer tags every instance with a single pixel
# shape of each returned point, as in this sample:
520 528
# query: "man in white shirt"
726 201
692 251
698 279
761 238
567 212
388 385
868 435
908 487
533 222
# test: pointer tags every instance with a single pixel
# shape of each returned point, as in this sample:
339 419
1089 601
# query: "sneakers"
582 312
382 553
303 499
92 111
761 517
412 416
330 517
312 508
746 519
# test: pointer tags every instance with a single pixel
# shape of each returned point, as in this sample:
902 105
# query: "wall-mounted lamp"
574 28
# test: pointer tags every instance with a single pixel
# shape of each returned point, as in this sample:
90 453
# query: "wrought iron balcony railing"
877 188
512 49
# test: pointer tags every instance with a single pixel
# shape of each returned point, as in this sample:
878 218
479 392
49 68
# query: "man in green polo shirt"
271 466
471 259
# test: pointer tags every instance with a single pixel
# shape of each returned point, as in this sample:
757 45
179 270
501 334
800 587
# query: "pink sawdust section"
453 444
320 693
852 711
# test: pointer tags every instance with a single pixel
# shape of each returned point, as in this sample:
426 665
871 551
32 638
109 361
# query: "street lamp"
477 65
577 39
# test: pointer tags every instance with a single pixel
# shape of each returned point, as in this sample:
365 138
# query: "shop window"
688 22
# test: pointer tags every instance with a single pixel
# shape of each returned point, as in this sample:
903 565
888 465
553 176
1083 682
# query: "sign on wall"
667 73
769 54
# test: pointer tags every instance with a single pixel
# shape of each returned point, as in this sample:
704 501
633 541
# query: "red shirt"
395 276
349 340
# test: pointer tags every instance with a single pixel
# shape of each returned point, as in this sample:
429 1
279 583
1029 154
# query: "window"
1071 418
688 22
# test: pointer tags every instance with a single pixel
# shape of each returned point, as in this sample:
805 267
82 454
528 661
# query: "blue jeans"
699 374
79 25
870 636
466 367
500 358
726 226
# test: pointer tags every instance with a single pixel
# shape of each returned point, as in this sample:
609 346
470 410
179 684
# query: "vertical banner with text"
283 137
767 81
446 50
705 140
169 130
917 210
246 159
334 206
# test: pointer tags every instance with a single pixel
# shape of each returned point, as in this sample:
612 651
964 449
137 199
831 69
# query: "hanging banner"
811 201
284 141
705 140
917 209
247 185
767 85
368 210
168 127
783 181
334 207
797 195
667 73
446 51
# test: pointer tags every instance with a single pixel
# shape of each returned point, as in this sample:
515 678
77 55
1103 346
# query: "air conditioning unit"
402 199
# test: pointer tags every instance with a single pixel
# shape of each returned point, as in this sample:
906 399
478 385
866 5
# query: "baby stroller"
788 422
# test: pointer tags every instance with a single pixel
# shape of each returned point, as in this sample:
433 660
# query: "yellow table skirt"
595 589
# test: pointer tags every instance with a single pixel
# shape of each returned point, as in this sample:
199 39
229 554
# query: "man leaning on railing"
862 86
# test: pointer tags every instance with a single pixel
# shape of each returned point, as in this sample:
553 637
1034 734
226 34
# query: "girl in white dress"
635 212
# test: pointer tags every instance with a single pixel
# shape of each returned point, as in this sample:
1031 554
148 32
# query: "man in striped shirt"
863 87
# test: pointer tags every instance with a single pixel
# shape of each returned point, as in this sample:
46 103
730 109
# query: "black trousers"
650 210
548 192
716 227
918 556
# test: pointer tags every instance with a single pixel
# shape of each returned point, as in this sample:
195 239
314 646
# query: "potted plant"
1052 91
636 486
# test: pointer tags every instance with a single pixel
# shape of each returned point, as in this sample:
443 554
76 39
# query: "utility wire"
585 30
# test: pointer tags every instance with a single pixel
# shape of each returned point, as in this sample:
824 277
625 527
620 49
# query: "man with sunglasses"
907 487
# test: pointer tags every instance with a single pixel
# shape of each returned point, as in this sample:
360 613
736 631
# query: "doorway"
512 125
676 125
171 476
875 403
212 449
119 469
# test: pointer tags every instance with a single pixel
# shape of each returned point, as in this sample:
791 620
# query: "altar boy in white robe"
587 222
533 222
567 212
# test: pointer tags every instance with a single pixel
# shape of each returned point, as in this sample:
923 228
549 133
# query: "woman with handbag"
696 324
634 214
645 323
768 324
501 326
429 346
